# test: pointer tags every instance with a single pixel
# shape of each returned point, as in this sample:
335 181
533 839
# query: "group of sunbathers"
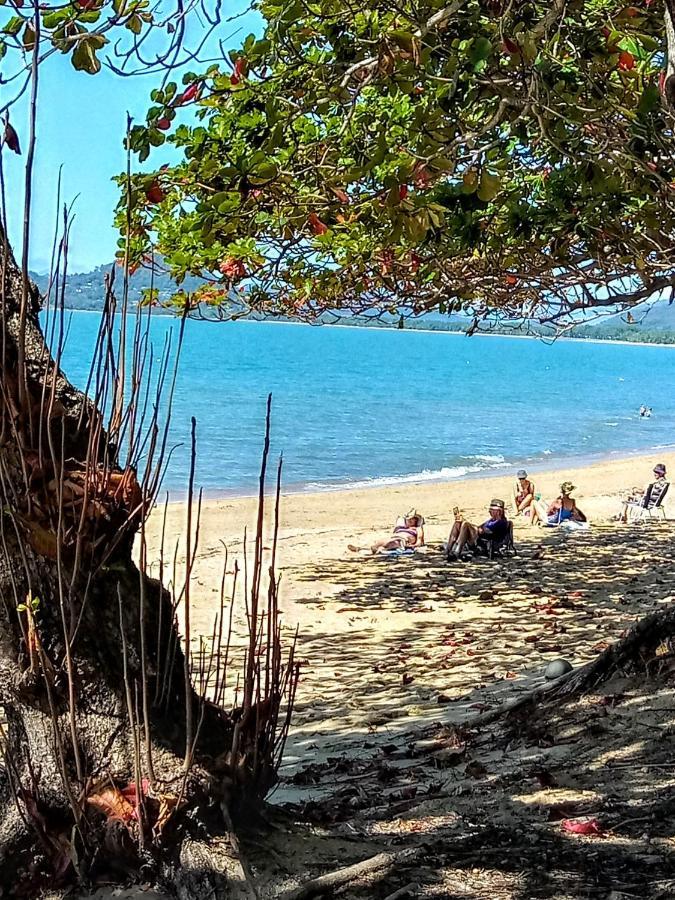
528 503
465 537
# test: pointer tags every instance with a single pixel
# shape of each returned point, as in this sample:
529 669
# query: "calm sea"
355 407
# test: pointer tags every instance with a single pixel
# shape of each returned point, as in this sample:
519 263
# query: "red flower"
315 223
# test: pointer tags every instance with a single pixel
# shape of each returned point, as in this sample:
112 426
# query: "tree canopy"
515 158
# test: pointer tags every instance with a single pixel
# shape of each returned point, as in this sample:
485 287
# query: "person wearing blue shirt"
477 537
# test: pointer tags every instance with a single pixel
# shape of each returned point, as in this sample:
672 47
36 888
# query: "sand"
393 645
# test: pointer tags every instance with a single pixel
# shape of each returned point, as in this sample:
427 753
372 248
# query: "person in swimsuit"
563 509
464 534
523 495
408 533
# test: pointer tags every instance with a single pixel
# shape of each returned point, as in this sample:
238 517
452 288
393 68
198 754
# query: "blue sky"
81 123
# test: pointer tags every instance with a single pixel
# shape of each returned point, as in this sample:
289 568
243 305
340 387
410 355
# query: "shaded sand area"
400 655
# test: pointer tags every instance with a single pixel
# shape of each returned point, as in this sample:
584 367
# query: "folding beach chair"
500 549
651 505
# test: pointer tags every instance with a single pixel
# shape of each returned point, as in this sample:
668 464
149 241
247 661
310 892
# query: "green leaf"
649 100
488 187
14 25
135 24
480 50
84 58
28 37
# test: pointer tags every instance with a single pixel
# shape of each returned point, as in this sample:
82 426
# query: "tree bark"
67 525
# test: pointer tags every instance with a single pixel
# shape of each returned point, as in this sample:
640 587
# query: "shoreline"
457 332
505 470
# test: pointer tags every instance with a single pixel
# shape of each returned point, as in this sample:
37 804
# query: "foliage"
477 156
77 29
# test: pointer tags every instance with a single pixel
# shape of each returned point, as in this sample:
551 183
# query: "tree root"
332 881
637 648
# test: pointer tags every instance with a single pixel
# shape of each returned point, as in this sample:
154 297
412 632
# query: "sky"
81 124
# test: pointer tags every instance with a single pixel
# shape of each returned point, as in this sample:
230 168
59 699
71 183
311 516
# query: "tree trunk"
67 581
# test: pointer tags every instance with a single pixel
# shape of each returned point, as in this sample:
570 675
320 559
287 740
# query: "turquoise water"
373 406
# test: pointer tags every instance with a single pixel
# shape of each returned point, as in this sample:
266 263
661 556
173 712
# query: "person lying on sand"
563 509
651 496
477 537
408 533
523 495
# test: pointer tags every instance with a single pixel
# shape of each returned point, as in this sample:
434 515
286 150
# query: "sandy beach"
389 640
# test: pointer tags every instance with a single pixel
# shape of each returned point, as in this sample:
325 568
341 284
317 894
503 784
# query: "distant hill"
86 290
654 323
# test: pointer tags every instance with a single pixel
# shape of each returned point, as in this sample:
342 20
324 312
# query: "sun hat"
521 473
566 487
659 469
414 514
497 504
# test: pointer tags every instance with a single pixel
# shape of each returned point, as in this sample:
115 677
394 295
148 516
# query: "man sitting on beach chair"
479 538
650 501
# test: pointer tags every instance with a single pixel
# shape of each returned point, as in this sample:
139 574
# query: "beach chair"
504 548
651 506
500 549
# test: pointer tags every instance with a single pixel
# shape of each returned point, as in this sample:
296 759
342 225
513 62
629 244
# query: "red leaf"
113 804
155 194
191 92
164 124
511 46
402 191
232 268
582 826
626 61
129 792
315 223
662 82
12 138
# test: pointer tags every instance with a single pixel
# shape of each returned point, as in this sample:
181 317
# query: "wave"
446 473
487 458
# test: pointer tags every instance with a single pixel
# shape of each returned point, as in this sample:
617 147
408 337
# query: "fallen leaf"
167 804
582 826
113 804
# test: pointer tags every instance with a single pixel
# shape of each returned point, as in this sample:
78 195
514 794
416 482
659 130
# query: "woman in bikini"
563 509
523 495
408 533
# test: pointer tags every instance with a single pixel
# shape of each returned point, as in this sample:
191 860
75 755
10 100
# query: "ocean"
354 407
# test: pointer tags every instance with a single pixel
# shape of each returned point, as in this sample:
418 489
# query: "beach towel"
393 554
571 525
